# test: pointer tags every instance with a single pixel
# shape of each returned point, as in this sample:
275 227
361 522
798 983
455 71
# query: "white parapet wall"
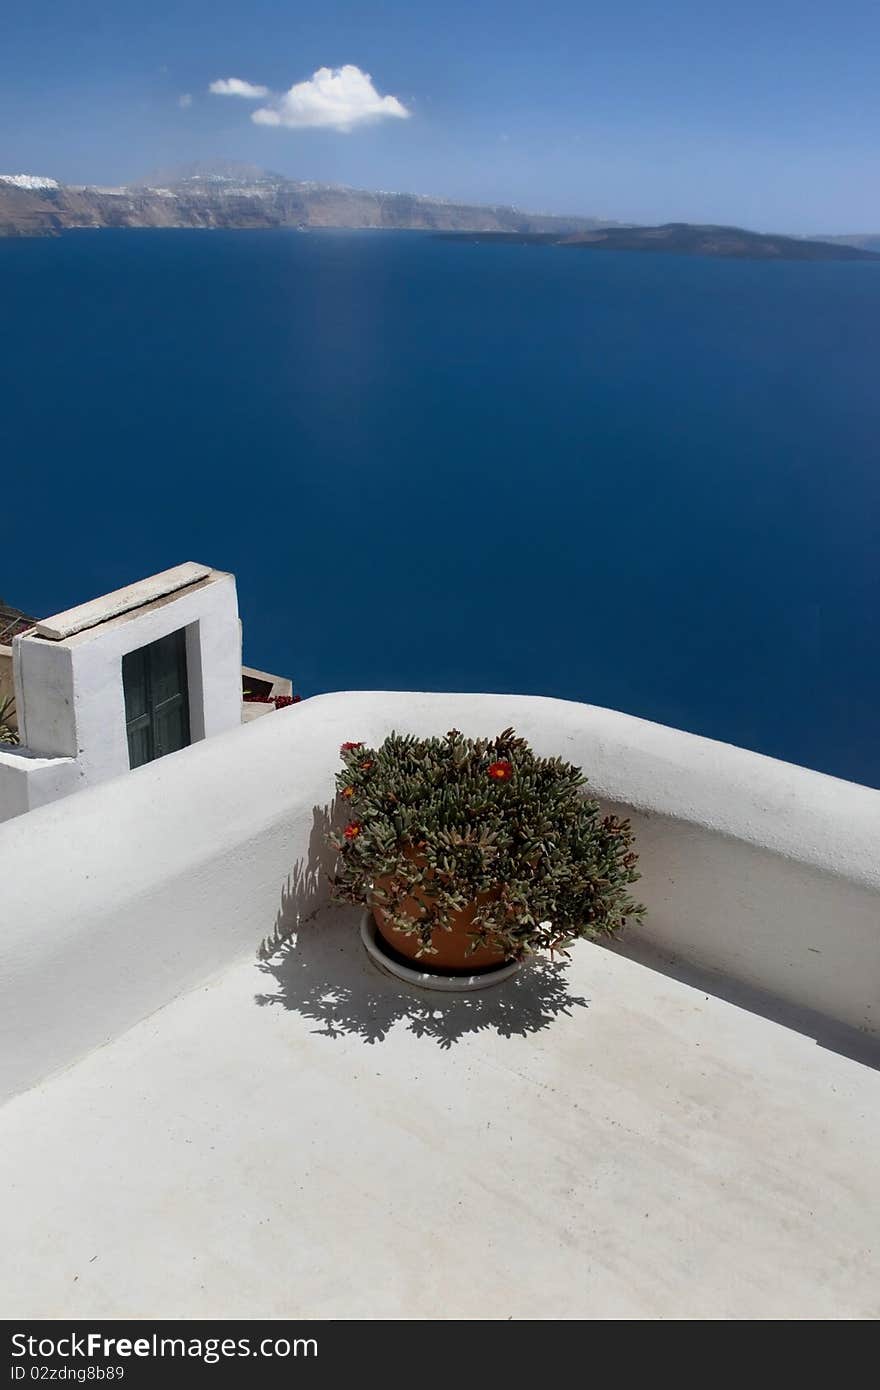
119 899
28 781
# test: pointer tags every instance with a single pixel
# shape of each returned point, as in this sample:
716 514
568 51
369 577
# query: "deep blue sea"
644 481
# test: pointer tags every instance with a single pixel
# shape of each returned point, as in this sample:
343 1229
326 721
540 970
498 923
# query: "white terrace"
685 1127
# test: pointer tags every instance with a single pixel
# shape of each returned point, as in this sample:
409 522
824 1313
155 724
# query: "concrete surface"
28 781
313 1139
132 892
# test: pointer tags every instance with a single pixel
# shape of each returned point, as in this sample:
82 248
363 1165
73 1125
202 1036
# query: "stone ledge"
100 610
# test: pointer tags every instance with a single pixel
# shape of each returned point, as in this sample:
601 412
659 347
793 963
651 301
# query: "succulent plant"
450 821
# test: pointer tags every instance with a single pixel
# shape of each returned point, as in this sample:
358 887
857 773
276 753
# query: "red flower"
366 765
352 830
348 747
282 701
501 771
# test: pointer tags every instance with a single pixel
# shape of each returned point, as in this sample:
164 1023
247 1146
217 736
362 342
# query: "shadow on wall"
308 886
825 1032
321 971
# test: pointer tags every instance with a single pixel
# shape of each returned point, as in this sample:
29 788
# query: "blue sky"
763 114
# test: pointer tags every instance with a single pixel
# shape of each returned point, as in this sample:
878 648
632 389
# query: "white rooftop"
684 1127
312 1139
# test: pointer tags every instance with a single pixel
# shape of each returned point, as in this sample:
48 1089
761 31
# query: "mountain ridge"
229 194
249 197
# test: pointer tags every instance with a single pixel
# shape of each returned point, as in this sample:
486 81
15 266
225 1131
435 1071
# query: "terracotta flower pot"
450 947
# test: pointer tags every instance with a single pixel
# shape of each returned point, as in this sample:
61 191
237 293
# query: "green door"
156 699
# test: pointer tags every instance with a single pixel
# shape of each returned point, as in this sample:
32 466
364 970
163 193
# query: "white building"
123 680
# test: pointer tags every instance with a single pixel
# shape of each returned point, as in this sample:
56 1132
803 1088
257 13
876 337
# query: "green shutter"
156 699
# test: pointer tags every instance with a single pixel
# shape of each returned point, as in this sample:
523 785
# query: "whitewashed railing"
119 898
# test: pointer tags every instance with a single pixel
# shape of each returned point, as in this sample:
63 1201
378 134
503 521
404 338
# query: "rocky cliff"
259 200
231 195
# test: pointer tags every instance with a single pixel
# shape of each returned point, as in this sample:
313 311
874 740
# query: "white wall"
69 693
120 899
28 781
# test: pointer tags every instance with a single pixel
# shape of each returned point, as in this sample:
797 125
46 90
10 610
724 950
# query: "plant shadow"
307 889
317 967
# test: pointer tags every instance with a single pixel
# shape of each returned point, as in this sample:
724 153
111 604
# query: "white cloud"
235 87
335 99
185 100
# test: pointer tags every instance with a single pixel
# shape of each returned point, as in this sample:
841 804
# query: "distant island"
690 239
868 241
243 196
